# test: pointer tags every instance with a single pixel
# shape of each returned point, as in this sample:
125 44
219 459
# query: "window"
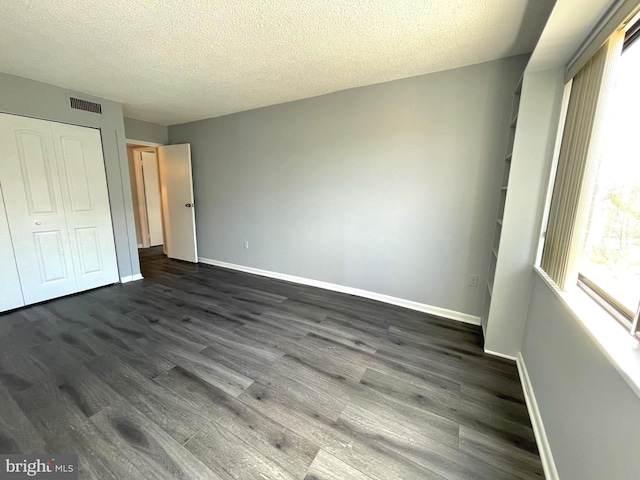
593 234
610 262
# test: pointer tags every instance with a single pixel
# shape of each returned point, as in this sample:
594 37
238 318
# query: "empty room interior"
320 240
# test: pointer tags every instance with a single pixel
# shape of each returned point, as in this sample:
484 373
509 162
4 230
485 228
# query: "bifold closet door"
53 180
10 291
33 201
86 204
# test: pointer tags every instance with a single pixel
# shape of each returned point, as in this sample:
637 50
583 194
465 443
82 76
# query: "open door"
178 208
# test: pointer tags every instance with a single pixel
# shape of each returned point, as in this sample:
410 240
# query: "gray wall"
390 188
590 414
145 131
34 99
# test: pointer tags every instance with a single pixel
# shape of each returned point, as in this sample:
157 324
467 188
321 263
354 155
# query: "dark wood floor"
201 372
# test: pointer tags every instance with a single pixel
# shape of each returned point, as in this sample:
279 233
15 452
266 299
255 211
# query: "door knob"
38 223
190 205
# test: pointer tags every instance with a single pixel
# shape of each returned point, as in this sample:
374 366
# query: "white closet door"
33 200
10 290
86 203
152 197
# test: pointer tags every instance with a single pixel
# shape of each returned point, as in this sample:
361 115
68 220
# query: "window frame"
605 300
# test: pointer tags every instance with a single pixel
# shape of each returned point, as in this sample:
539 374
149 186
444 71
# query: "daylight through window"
610 263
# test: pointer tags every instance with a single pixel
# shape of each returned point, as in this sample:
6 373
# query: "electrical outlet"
246 244
473 280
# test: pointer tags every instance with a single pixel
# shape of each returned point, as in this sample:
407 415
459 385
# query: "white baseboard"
131 278
501 355
546 457
140 245
420 307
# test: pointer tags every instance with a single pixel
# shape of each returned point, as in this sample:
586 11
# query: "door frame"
144 146
142 143
137 147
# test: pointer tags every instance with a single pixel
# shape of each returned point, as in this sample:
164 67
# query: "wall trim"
400 302
546 457
131 278
501 355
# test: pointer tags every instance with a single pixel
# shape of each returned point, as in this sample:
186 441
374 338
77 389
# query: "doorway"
163 199
145 190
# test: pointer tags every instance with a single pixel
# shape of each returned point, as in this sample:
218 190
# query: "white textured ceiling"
170 62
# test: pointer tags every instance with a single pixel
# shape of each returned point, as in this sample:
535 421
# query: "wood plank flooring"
202 372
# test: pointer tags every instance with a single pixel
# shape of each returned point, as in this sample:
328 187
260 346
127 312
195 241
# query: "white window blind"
577 163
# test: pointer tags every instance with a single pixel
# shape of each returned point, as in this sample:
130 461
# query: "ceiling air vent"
79 104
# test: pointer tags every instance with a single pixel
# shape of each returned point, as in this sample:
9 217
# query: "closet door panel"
74 163
50 254
86 202
36 172
34 208
88 241
10 290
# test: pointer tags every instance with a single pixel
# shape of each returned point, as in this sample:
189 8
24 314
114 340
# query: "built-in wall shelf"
502 199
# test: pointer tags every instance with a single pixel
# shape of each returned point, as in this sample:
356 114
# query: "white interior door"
35 210
10 290
152 197
176 190
86 203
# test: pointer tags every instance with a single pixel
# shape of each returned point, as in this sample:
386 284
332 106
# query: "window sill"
620 348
